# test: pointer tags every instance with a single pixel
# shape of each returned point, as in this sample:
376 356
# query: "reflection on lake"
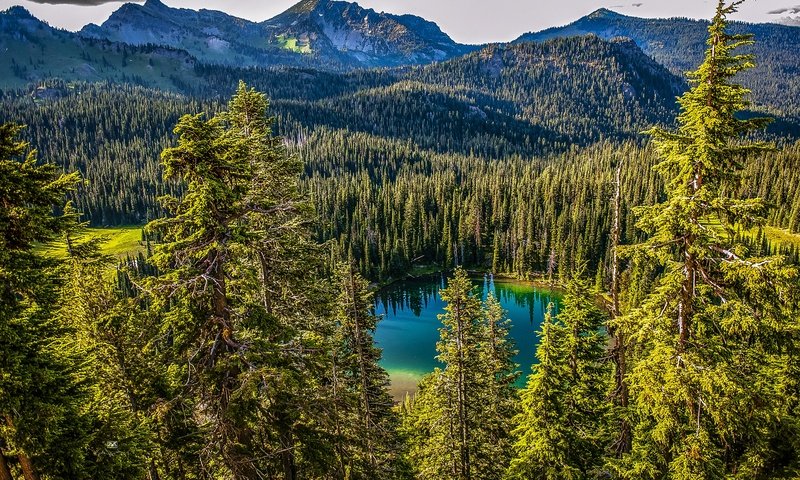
409 327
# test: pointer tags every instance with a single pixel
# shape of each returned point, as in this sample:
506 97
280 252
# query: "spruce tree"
460 417
498 398
561 431
42 430
708 337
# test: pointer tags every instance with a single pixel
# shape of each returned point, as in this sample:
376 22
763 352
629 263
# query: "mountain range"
332 33
155 45
679 43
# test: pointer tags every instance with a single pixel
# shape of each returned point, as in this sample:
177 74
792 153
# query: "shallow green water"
409 327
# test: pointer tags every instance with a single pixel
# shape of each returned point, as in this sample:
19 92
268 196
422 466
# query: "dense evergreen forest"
240 344
679 43
514 121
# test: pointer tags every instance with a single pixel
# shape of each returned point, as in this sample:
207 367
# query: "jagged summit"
17 11
317 32
305 6
353 34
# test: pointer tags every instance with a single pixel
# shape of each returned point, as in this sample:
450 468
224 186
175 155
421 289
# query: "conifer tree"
240 298
498 397
42 431
707 337
369 422
561 431
461 413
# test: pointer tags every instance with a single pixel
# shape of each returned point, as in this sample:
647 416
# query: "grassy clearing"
293 44
775 235
779 236
119 241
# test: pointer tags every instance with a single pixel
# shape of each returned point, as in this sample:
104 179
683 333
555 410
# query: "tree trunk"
623 444
5 470
365 400
28 472
152 473
287 457
266 297
462 397
685 304
234 435
340 451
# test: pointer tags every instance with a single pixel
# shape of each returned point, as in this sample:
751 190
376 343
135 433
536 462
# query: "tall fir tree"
561 430
498 397
42 430
461 414
719 321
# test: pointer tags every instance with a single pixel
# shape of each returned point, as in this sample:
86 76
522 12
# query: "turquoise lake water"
409 326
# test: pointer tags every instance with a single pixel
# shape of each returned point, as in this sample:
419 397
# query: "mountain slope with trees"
679 44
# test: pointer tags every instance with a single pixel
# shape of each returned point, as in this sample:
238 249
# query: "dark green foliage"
561 431
415 208
718 320
41 389
119 132
233 259
459 422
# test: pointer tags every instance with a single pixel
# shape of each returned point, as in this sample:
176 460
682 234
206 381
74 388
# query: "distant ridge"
679 43
322 33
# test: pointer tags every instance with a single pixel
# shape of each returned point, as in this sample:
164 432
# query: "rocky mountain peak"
18 11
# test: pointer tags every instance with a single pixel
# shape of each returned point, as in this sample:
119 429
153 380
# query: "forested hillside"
429 182
679 43
521 100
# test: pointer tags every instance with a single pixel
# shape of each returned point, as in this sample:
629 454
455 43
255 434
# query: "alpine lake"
409 325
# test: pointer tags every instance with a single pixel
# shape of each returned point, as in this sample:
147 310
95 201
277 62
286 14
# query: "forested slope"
679 43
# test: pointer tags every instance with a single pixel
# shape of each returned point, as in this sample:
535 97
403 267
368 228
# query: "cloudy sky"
467 21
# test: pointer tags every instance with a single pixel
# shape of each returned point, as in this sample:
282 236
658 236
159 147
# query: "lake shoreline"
431 272
409 327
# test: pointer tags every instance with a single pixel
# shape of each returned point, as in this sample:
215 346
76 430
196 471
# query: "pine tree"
707 337
498 399
461 414
561 430
369 423
42 431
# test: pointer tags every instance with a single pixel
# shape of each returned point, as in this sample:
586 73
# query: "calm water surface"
409 327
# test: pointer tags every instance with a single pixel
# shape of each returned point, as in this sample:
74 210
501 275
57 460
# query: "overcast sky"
467 21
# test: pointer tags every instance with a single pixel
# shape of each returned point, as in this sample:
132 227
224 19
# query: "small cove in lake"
409 325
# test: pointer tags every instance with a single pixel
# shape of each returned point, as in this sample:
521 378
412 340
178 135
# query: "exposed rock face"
313 32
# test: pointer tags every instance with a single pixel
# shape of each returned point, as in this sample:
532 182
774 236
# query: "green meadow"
117 241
